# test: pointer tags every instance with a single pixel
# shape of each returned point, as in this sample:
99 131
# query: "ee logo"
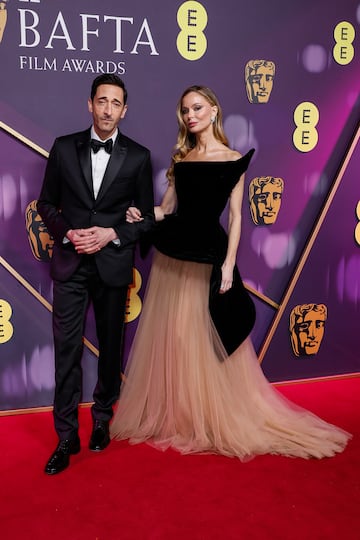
192 19
306 117
357 228
344 35
6 328
133 302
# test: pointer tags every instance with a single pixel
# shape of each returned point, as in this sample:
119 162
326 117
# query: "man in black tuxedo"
91 178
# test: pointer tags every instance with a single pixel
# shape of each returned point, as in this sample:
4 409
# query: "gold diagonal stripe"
261 296
310 243
24 139
40 298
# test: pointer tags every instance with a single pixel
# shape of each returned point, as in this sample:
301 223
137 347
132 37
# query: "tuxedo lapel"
83 149
115 163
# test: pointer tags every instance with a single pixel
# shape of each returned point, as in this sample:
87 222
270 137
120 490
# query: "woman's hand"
133 215
227 271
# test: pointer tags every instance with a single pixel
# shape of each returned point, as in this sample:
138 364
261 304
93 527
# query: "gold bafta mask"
41 242
3 18
133 302
265 195
259 80
307 326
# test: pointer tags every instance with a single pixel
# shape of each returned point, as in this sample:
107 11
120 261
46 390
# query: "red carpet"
138 493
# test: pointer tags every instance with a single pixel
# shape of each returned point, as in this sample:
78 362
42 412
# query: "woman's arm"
234 231
167 206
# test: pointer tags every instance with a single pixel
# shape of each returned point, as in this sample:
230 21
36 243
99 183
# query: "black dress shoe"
100 437
60 459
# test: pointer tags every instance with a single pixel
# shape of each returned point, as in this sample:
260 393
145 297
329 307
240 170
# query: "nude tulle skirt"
182 391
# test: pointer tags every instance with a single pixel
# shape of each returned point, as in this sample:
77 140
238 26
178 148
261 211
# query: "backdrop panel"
288 77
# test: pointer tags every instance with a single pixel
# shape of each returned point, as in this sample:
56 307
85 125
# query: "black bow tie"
96 145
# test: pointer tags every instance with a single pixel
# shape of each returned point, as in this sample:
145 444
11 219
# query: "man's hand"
92 240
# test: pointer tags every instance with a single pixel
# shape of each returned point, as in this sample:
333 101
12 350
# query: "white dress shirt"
99 162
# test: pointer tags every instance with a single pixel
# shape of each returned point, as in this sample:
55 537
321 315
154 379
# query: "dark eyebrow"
115 100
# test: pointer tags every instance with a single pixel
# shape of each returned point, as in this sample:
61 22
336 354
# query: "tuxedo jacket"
67 202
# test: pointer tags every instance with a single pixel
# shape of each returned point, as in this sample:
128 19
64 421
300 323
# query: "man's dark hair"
108 78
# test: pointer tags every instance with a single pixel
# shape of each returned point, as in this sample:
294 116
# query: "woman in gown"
193 380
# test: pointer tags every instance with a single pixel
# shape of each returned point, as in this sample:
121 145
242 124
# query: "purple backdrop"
51 51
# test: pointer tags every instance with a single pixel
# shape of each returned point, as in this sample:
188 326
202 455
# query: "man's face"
310 331
261 83
107 109
268 201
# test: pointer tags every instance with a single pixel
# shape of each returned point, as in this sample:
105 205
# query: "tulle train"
182 391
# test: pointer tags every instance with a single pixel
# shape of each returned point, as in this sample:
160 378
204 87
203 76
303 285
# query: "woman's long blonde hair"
185 140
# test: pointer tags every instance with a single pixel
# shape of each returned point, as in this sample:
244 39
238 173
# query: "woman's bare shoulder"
227 154
233 155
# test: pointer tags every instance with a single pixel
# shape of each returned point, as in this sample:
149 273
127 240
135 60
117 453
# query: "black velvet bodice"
203 188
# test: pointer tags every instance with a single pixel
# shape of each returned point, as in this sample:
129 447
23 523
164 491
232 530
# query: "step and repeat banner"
288 77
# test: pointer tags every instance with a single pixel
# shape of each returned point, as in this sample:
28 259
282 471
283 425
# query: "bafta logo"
41 242
307 326
265 195
259 80
3 18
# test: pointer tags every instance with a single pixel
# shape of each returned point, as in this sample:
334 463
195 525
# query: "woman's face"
197 112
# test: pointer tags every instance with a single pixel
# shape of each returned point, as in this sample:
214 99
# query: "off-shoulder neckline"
208 161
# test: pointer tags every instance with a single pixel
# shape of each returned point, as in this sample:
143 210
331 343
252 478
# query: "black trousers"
70 303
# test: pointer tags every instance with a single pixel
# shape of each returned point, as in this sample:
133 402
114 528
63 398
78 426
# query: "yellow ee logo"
306 117
192 20
344 35
357 228
133 302
6 328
